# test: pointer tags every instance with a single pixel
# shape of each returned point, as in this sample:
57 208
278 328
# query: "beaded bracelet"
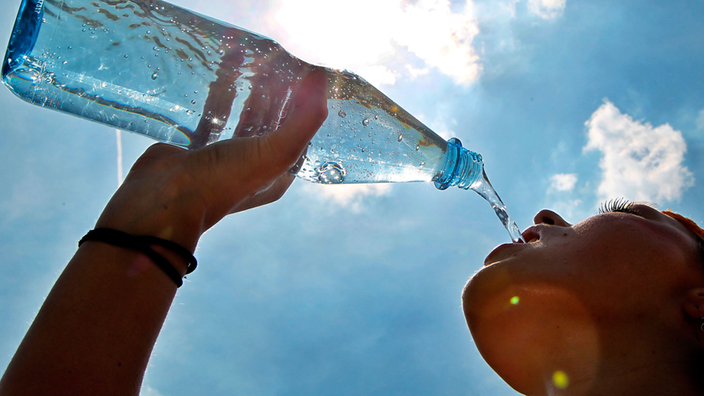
141 244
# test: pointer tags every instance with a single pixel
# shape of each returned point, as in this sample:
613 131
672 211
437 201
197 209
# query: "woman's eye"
618 205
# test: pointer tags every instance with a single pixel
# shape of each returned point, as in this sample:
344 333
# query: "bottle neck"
463 168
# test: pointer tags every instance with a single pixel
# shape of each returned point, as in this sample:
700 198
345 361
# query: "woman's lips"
501 252
506 250
531 234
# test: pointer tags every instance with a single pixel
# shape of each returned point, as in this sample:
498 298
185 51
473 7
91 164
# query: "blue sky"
355 290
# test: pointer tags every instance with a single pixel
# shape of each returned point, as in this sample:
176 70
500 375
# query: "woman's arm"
96 329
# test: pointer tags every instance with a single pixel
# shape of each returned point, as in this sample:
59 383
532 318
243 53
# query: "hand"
177 195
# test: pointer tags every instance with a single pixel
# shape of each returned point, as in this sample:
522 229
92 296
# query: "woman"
609 306
604 306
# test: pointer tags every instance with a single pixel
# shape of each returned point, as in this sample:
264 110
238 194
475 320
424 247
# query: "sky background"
338 290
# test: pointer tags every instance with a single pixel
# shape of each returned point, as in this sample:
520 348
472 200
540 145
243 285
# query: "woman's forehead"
666 218
686 222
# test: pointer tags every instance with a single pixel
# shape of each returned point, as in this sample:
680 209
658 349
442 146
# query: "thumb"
287 143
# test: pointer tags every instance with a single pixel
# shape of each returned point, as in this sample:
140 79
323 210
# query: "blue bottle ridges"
176 76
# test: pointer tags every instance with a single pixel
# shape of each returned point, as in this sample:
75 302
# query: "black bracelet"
141 244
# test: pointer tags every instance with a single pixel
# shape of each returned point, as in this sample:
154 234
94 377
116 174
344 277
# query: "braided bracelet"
141 244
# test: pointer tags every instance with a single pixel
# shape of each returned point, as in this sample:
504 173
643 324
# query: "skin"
96 329
611 304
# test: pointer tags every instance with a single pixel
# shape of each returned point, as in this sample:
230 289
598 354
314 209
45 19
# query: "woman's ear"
694 304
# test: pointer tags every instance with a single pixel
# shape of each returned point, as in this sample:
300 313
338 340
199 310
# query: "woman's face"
572 286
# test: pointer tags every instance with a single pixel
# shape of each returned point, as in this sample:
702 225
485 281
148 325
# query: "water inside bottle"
142 66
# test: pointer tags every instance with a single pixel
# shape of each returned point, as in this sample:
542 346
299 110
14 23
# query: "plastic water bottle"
156 69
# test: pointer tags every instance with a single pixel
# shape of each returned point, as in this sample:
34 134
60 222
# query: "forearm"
96 329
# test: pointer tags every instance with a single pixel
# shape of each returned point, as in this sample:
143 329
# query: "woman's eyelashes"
620 205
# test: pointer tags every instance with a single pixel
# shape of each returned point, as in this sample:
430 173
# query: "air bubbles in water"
331 173
400 137
342 114
365 121
155 75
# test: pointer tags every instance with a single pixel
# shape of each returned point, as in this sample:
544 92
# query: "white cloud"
350 196
509 6
640 162
563 182
414 72
373 32
547 9
378 74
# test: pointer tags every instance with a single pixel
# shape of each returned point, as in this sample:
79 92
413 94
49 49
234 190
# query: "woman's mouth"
507 250
531 234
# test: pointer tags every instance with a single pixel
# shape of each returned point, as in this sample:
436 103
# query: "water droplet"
400 137
342 114
365 121
331 173
195 92
376 117
193 101
70 47
417 147
126 56
155 75
64 62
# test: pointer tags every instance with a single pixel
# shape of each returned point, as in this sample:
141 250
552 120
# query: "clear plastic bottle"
156 69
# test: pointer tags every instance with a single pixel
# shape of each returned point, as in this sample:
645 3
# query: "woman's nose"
547 216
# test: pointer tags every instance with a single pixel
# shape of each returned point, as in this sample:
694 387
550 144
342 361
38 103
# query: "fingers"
241 173
286 144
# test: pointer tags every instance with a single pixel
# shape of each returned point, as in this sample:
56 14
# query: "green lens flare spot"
514 300
560 379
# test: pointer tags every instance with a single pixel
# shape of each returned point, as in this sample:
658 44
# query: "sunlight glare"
372 36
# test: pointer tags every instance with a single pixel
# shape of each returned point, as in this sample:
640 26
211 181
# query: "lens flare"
560 379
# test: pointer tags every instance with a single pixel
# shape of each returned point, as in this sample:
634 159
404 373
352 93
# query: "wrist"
158 214
168 256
